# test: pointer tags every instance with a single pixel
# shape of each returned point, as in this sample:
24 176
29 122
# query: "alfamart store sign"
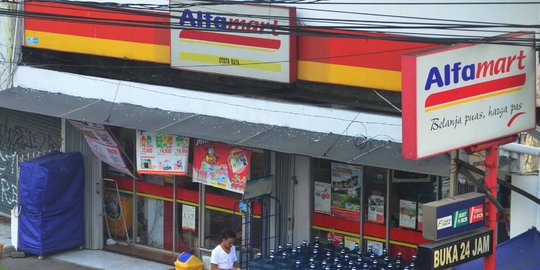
466 94
234 39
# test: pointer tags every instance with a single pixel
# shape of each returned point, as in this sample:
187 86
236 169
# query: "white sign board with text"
251 41
464 95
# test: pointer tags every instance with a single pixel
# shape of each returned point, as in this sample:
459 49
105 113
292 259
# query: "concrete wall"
523 212
302 200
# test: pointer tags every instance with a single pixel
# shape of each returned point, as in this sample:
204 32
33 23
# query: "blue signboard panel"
453 216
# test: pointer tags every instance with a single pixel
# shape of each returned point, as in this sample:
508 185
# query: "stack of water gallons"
328 257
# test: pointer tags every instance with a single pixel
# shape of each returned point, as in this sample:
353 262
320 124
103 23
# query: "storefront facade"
335 172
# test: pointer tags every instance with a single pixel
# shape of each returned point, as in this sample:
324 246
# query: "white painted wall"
302 200
523 212
252 110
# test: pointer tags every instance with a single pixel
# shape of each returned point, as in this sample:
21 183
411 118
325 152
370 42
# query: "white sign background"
482 118
222 51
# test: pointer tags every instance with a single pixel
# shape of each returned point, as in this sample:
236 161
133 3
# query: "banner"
322 197
221 165
346 190
376 209
161 153
407 214
102 144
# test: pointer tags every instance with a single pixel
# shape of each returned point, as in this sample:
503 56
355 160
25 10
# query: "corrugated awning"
354 150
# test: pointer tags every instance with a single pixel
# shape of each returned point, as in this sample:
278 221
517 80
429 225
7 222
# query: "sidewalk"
73 259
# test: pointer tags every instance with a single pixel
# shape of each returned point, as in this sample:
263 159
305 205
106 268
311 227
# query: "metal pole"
175 218
492 159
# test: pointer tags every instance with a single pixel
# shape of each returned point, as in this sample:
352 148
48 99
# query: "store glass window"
409 191
187 218
154 213
375 196
222 208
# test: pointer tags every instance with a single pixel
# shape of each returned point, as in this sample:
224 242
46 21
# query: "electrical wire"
367 25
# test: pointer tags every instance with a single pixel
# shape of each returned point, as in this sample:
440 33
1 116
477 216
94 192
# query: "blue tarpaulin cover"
51 190
519 253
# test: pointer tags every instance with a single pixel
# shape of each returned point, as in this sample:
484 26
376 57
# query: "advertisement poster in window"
336 238
322 203
419 217
351 242
221 165
103 144
161 153
376 247
407 214
376 209
346 190
188 217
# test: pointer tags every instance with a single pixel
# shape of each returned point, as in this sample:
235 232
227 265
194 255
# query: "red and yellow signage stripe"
363 60
475 92
98 31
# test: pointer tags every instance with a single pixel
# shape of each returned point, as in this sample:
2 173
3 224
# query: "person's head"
228 238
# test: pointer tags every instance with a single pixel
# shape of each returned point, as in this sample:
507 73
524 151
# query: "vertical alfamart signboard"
466 94
251 41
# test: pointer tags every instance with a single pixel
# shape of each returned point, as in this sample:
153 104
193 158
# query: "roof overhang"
343 148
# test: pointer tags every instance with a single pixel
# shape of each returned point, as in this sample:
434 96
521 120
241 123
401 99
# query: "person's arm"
213 261
235 266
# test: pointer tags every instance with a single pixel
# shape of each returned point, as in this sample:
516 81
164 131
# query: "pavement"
71 259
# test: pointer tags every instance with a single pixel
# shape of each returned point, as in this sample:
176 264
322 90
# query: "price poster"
322 194
419 219
376 247
221 165
188 217
161 153
351 242
346 190
376 209
103 144
407 214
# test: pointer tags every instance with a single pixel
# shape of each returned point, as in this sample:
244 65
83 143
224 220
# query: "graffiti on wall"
8 190
17 138
19 143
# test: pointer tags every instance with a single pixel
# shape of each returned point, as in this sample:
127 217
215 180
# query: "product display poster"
419 216
221 165
188 217
351 242
161 153
336 238
407 214
103 144
376 247
376 209
322 197
346 190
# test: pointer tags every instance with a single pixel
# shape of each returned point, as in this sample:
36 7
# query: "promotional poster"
103 144
161 153
376 209
346 190
221 165
407 214
322 203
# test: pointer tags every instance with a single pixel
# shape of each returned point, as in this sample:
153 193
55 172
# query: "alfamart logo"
212 21
458 72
